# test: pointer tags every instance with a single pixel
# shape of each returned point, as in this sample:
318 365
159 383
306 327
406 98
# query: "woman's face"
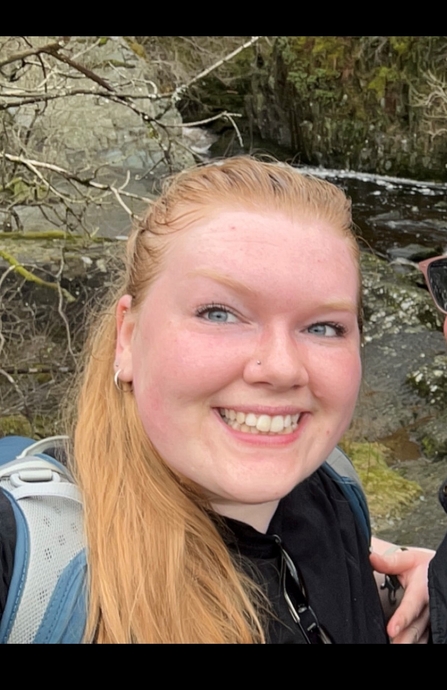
244 354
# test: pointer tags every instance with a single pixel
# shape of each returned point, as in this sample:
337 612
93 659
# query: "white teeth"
263 423
260 424
277 423
250 419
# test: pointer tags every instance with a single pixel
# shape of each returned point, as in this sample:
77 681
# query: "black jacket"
317 528
437 584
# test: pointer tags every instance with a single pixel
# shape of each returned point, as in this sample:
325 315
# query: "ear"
125 324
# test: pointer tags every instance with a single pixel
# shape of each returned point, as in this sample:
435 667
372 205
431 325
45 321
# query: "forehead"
260 233
252 246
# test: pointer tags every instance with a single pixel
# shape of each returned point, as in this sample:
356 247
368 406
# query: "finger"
416 632
395 563
399 561
413 610
412 636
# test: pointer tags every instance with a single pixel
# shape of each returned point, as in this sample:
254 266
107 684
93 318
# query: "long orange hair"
159 570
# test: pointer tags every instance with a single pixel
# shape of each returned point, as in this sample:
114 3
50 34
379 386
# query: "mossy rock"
39 427
388 493
430 381
433 439
15 425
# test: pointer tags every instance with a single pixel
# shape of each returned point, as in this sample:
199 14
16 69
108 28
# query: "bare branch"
18 268
49 48
86 182
80 68
60 308
236 128
183 87
223 114
9 378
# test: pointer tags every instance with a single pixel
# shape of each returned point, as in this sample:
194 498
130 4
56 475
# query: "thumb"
392 564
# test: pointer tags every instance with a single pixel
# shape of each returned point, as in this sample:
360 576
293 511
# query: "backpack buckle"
33 475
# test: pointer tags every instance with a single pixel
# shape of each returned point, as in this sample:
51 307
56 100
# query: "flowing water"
391 212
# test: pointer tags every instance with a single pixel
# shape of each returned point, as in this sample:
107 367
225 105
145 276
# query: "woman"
223 377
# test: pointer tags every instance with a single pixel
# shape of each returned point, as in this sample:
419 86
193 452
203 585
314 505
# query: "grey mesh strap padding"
343 466
50 536
42 446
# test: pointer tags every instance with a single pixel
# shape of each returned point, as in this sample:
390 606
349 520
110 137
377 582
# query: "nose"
279 360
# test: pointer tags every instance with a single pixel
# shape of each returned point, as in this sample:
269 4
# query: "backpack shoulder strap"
46 599
339 467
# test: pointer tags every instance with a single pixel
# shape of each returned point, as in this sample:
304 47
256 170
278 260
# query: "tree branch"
183 87
85 182
21 270
51 48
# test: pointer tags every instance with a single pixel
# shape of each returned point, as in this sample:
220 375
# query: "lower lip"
265 439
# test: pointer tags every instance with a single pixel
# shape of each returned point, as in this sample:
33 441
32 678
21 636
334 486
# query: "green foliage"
401 44
137 48
22 191
383 76
388 493
314 63
39 427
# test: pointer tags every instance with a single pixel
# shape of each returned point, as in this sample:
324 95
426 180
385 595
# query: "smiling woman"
214 389
300 326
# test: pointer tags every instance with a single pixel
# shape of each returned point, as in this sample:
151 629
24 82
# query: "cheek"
338 378
177 369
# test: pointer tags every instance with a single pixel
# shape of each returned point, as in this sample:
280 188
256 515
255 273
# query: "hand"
409 623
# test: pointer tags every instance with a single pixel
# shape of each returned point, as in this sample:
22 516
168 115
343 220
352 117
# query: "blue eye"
327 330
217 314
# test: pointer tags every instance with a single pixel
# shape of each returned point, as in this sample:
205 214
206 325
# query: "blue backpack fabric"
46 601
339 467
47 596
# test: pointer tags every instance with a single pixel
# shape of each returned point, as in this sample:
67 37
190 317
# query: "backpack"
46 601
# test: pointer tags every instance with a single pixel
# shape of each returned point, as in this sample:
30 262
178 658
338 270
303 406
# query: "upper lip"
263 409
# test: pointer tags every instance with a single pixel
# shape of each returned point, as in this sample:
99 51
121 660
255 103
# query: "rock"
414 252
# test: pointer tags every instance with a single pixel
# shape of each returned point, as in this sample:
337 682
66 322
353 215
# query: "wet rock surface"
403 395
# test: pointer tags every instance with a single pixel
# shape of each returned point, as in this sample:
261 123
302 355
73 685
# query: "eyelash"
200 311
339 329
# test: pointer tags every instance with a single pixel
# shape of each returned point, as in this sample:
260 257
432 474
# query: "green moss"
137 48
15 425
39 426
434 448
388 493
383 76
401 44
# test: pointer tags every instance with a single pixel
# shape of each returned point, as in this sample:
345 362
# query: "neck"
257 516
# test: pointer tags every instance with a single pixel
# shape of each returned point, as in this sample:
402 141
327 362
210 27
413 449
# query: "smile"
251 423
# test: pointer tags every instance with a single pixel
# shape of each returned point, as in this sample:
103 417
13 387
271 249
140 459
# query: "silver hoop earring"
119 384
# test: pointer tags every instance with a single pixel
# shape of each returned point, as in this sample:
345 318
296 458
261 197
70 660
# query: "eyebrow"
223 279
340 305
234 284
